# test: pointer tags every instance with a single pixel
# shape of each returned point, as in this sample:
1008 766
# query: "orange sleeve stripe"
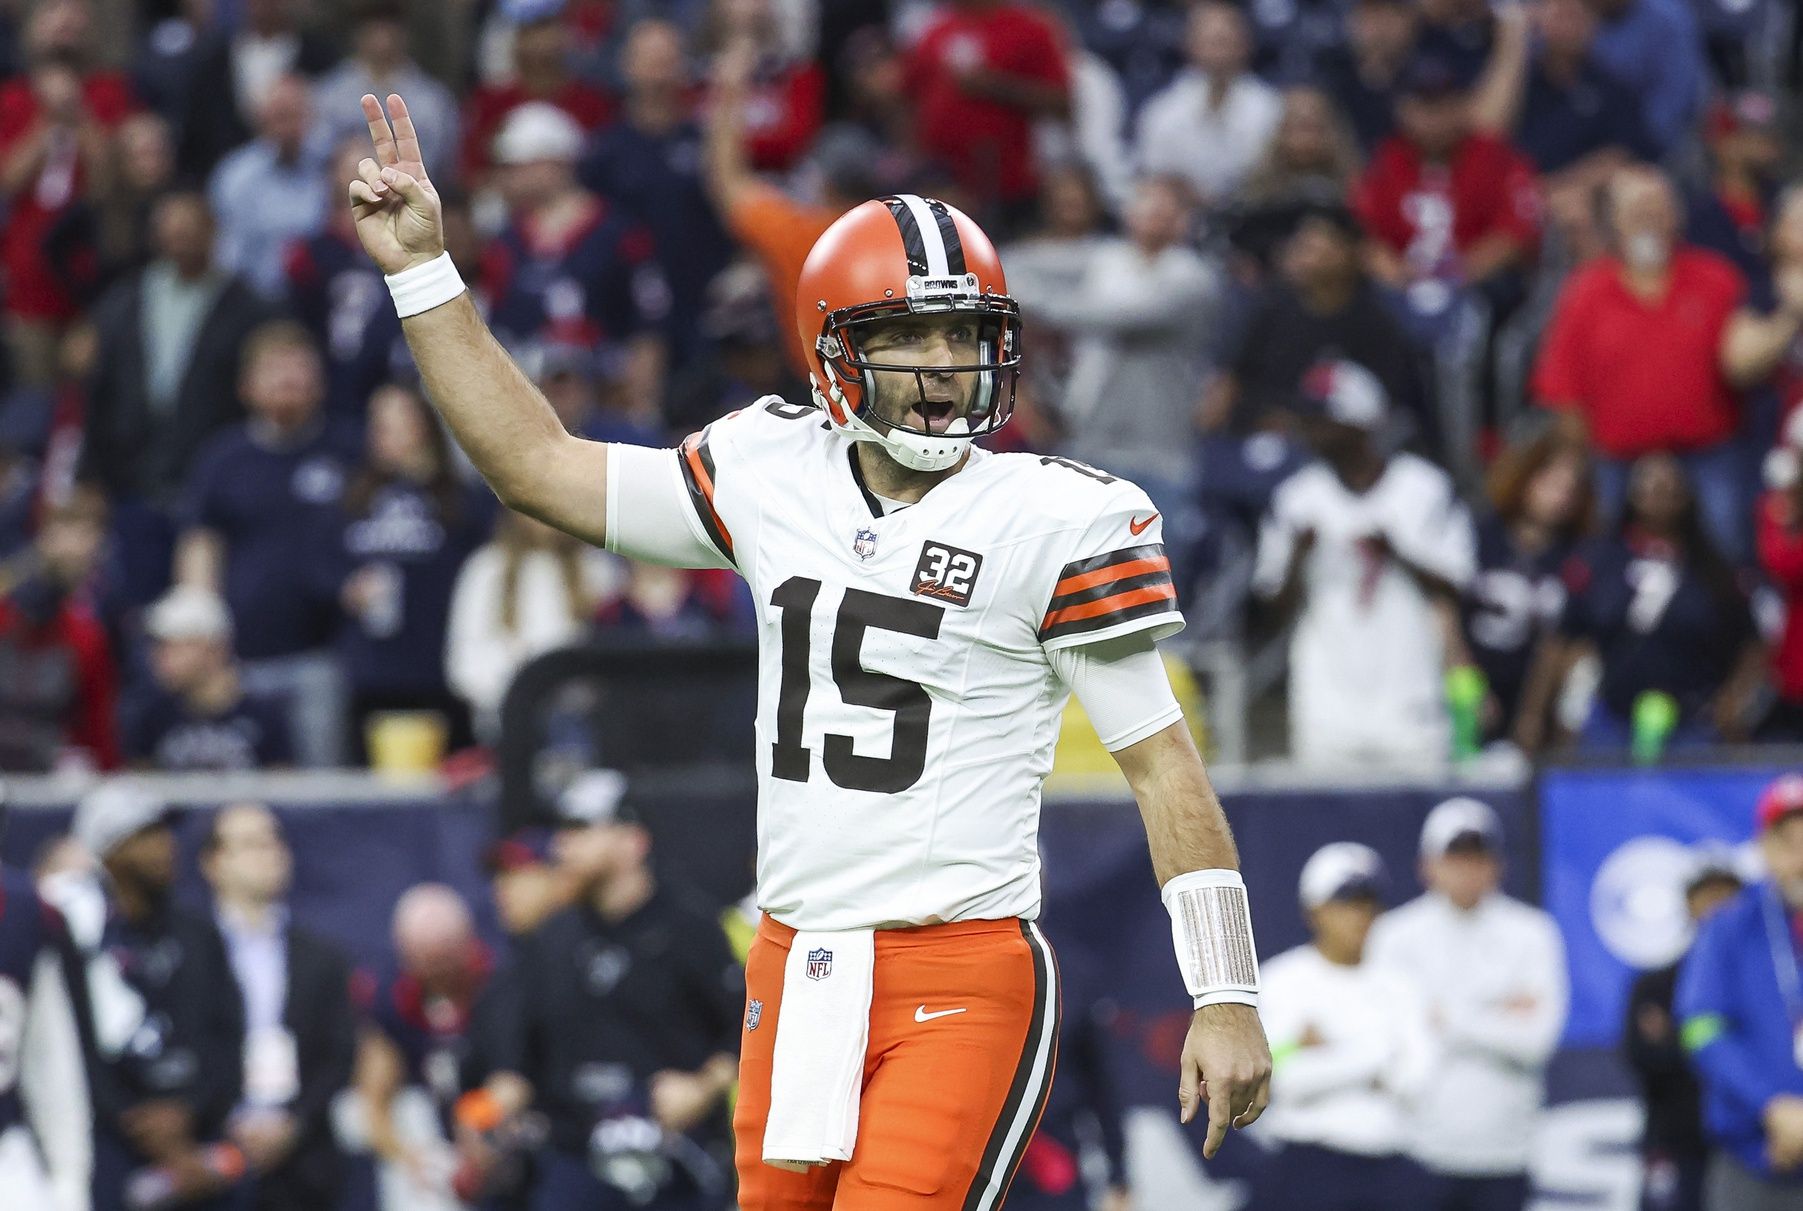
702 486
1107 605
1120 571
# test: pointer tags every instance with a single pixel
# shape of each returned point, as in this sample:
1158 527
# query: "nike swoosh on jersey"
921 1014
1139 527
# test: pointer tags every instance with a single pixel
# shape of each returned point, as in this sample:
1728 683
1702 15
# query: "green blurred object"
1466 689
1655 715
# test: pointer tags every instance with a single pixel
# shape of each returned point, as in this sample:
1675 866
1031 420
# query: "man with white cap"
568 268
1493 971
1350 1050
46 1119
199 717
1368 549
168 1020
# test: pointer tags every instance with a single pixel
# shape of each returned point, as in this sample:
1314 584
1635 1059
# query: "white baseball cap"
1348 393
538 130
113 813
189 612
594 796
1342 870
1458 820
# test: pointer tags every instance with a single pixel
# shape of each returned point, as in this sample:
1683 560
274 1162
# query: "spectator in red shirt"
981 74
1448 209
784 103
541 72
59 685
1786 268
56 125
1648 349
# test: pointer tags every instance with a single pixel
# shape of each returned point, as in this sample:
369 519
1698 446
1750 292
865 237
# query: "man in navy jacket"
1740 999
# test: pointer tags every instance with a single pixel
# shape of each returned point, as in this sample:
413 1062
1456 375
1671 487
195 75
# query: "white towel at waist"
822 1033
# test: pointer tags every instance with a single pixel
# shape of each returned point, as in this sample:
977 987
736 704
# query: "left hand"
1728 711
1116 1198
266 1139
1227 1061
680 1100
159 1129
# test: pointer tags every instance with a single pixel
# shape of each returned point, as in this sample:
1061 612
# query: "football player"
924 607
46 1122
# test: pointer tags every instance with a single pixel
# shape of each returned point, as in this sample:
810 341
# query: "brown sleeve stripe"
697 463
1101 591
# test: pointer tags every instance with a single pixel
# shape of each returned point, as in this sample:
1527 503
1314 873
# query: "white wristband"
1211 930
424 287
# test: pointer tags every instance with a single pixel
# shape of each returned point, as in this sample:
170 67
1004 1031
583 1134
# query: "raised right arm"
495 413
505 425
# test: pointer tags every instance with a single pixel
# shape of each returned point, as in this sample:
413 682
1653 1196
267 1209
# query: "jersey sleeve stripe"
1095 563
1102 576
1105 589
1111 604
697 464
1158 605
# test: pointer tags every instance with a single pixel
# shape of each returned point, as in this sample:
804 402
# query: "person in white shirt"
1493 970
1138 320
1350 1049
1214 122
526 592
1369 550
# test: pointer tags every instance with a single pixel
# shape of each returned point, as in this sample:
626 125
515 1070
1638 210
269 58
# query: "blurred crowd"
1455 341
186 1039
221 1055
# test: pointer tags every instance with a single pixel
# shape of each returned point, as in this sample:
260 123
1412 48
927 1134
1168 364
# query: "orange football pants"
949 1103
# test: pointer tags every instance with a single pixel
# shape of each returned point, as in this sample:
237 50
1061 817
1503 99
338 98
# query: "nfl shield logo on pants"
820 964
754 1013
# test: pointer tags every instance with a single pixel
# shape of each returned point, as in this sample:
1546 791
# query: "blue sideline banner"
1616 846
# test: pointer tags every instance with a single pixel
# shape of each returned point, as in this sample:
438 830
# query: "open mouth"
933 415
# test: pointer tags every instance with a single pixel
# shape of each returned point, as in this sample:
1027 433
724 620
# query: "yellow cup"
406 742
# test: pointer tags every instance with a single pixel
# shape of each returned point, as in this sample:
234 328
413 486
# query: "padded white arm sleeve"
1123 687
649 514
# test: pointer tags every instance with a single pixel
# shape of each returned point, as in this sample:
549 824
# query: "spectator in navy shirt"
1364 74
409 524
1745 141
1664 613
197 716
1569 116
262 528
649 164
425 1029
1542 505
1655 49
569 268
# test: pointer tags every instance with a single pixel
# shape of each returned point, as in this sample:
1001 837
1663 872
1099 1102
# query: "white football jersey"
907 711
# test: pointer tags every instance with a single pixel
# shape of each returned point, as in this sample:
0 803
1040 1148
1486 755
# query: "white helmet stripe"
937 264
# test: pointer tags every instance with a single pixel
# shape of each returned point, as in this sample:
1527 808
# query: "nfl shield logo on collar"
754 1013
820 964
864 545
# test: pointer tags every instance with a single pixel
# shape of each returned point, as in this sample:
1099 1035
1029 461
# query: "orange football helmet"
906 255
